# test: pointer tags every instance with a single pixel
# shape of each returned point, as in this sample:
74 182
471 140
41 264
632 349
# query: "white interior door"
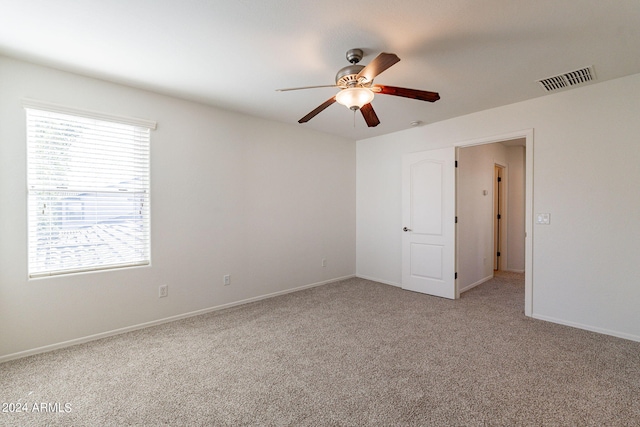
428 216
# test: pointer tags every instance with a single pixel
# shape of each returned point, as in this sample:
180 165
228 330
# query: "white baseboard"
473 285
604 331
119 331
373 279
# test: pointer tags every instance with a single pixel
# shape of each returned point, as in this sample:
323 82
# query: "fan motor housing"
347 75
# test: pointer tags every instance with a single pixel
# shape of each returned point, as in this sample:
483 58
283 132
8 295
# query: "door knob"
406 229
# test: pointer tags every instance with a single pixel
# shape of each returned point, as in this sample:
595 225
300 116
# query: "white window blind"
88 192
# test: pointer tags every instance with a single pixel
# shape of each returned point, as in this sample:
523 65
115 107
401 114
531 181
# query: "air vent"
571 78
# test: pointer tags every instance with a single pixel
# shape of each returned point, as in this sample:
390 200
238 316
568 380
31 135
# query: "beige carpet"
352 353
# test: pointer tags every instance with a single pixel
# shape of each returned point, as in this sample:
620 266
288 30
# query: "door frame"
527 134
500 203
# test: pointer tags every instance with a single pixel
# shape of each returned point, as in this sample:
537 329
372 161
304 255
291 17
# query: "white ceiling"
235 53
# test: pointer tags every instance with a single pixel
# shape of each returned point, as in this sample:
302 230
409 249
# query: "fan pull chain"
354 118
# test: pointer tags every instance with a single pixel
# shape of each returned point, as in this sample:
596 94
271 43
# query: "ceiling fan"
357 89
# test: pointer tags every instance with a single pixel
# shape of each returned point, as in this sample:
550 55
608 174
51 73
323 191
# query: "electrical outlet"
226 279
324 262
163 291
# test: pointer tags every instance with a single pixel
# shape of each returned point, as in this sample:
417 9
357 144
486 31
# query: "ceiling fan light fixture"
354 97
358 90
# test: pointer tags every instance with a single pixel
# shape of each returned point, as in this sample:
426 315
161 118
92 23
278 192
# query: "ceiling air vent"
569 79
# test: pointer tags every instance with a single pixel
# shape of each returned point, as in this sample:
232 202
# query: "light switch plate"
543 218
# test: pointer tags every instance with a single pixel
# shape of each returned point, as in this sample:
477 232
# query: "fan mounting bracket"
354 55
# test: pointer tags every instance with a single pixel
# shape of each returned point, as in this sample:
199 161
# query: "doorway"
482 263
479 234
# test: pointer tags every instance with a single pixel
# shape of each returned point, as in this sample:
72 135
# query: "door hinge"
498 254
499 217
456 163
499 179
456 276
456 220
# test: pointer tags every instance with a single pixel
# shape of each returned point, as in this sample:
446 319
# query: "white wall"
231 194
586 175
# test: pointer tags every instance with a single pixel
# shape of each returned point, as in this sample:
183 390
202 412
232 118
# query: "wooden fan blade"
304 87
377 66
421 95
315 112
369 115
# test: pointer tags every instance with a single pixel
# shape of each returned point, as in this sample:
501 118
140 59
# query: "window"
88 190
